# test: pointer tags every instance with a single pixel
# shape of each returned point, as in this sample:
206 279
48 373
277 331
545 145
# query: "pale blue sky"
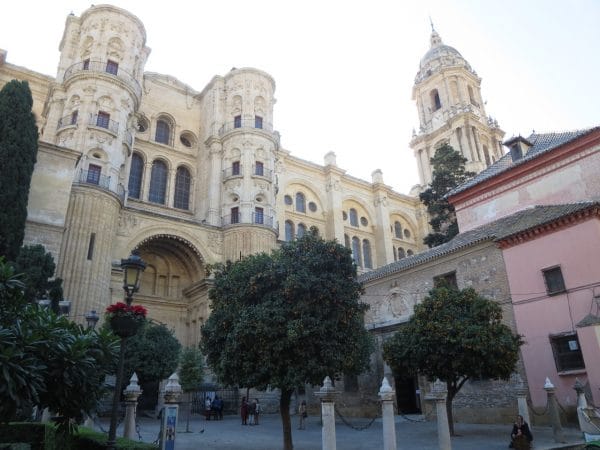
345 69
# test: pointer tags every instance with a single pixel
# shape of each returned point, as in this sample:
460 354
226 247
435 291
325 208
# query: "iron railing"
245 123
94 177
66 121
104 68
254 219
233 171
260 171
100 121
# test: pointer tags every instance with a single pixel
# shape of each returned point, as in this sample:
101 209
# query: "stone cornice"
64 152
547 228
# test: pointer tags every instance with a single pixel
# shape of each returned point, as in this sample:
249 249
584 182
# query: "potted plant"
125 320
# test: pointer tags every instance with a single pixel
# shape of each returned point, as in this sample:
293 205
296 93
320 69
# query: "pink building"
553 260
554 278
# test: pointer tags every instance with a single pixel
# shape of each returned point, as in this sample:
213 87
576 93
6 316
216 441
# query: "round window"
312 206
185 141
364 222
287 200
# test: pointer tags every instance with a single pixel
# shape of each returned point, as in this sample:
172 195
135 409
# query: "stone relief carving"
333 185
126 224
215 242
380 201
65 136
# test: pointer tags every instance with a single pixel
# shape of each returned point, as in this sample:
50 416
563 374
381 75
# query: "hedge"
42 436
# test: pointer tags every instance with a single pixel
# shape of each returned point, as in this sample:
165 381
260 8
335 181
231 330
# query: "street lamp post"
132 269
92 319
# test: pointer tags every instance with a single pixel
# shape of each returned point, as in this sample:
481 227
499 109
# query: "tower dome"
440 56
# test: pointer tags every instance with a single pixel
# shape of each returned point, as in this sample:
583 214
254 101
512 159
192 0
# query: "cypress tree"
18 152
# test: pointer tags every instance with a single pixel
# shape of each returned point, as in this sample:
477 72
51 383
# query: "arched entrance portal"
407 394
174 287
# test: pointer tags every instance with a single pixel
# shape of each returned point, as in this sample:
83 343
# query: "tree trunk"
284 409
449 398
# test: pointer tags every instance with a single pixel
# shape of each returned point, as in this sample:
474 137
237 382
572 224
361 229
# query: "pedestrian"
217 406
244 411
256 411
520 437
207 407
251 412
303 415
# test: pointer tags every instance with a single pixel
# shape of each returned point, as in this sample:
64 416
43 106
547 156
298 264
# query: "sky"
344 69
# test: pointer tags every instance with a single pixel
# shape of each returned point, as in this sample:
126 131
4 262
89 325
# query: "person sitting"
521 436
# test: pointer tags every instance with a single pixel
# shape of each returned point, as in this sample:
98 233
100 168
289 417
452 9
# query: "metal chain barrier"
348 424
535 412
408 419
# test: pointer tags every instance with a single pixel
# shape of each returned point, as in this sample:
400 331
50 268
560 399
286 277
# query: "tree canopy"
448 173
287 319
454 335
37 266
153 353
48 360
18 153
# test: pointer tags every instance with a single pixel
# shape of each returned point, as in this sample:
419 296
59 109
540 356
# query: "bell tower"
451 111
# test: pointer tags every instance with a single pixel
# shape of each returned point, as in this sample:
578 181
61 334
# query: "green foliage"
11 293
48 360
287 319
448 173
38 435
37 266
153 353
86 439
191 368
18 152
454 335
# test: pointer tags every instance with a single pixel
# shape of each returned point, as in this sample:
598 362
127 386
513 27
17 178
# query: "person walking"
244 411
256 411
302 415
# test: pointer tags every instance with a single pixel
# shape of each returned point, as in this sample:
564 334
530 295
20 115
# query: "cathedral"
132 160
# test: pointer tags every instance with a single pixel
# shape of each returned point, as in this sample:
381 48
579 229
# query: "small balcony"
233 171
259 171
240 124
103 121
95 178
105 68
67 121
254 219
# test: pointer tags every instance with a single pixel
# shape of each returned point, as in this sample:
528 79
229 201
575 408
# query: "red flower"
121 309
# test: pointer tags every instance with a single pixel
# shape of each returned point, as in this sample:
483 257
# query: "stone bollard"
553 411
581 400
132 392
386 394
438 395
521 391
327 395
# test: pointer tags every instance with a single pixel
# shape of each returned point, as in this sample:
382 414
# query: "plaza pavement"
229 434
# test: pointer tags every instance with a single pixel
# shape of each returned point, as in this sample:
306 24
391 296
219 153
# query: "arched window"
398 229
472 97
356 251
409 253
395 255
182 188
353 217
347 241
367 254
300 202
158 182
435 100
301 230
289 230
163 132
135 176
401 253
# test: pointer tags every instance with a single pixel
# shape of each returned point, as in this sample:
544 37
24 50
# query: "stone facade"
136 160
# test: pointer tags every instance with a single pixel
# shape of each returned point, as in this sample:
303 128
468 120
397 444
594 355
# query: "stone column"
438 395
521 391
553 411
386 394
132 392
327 395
